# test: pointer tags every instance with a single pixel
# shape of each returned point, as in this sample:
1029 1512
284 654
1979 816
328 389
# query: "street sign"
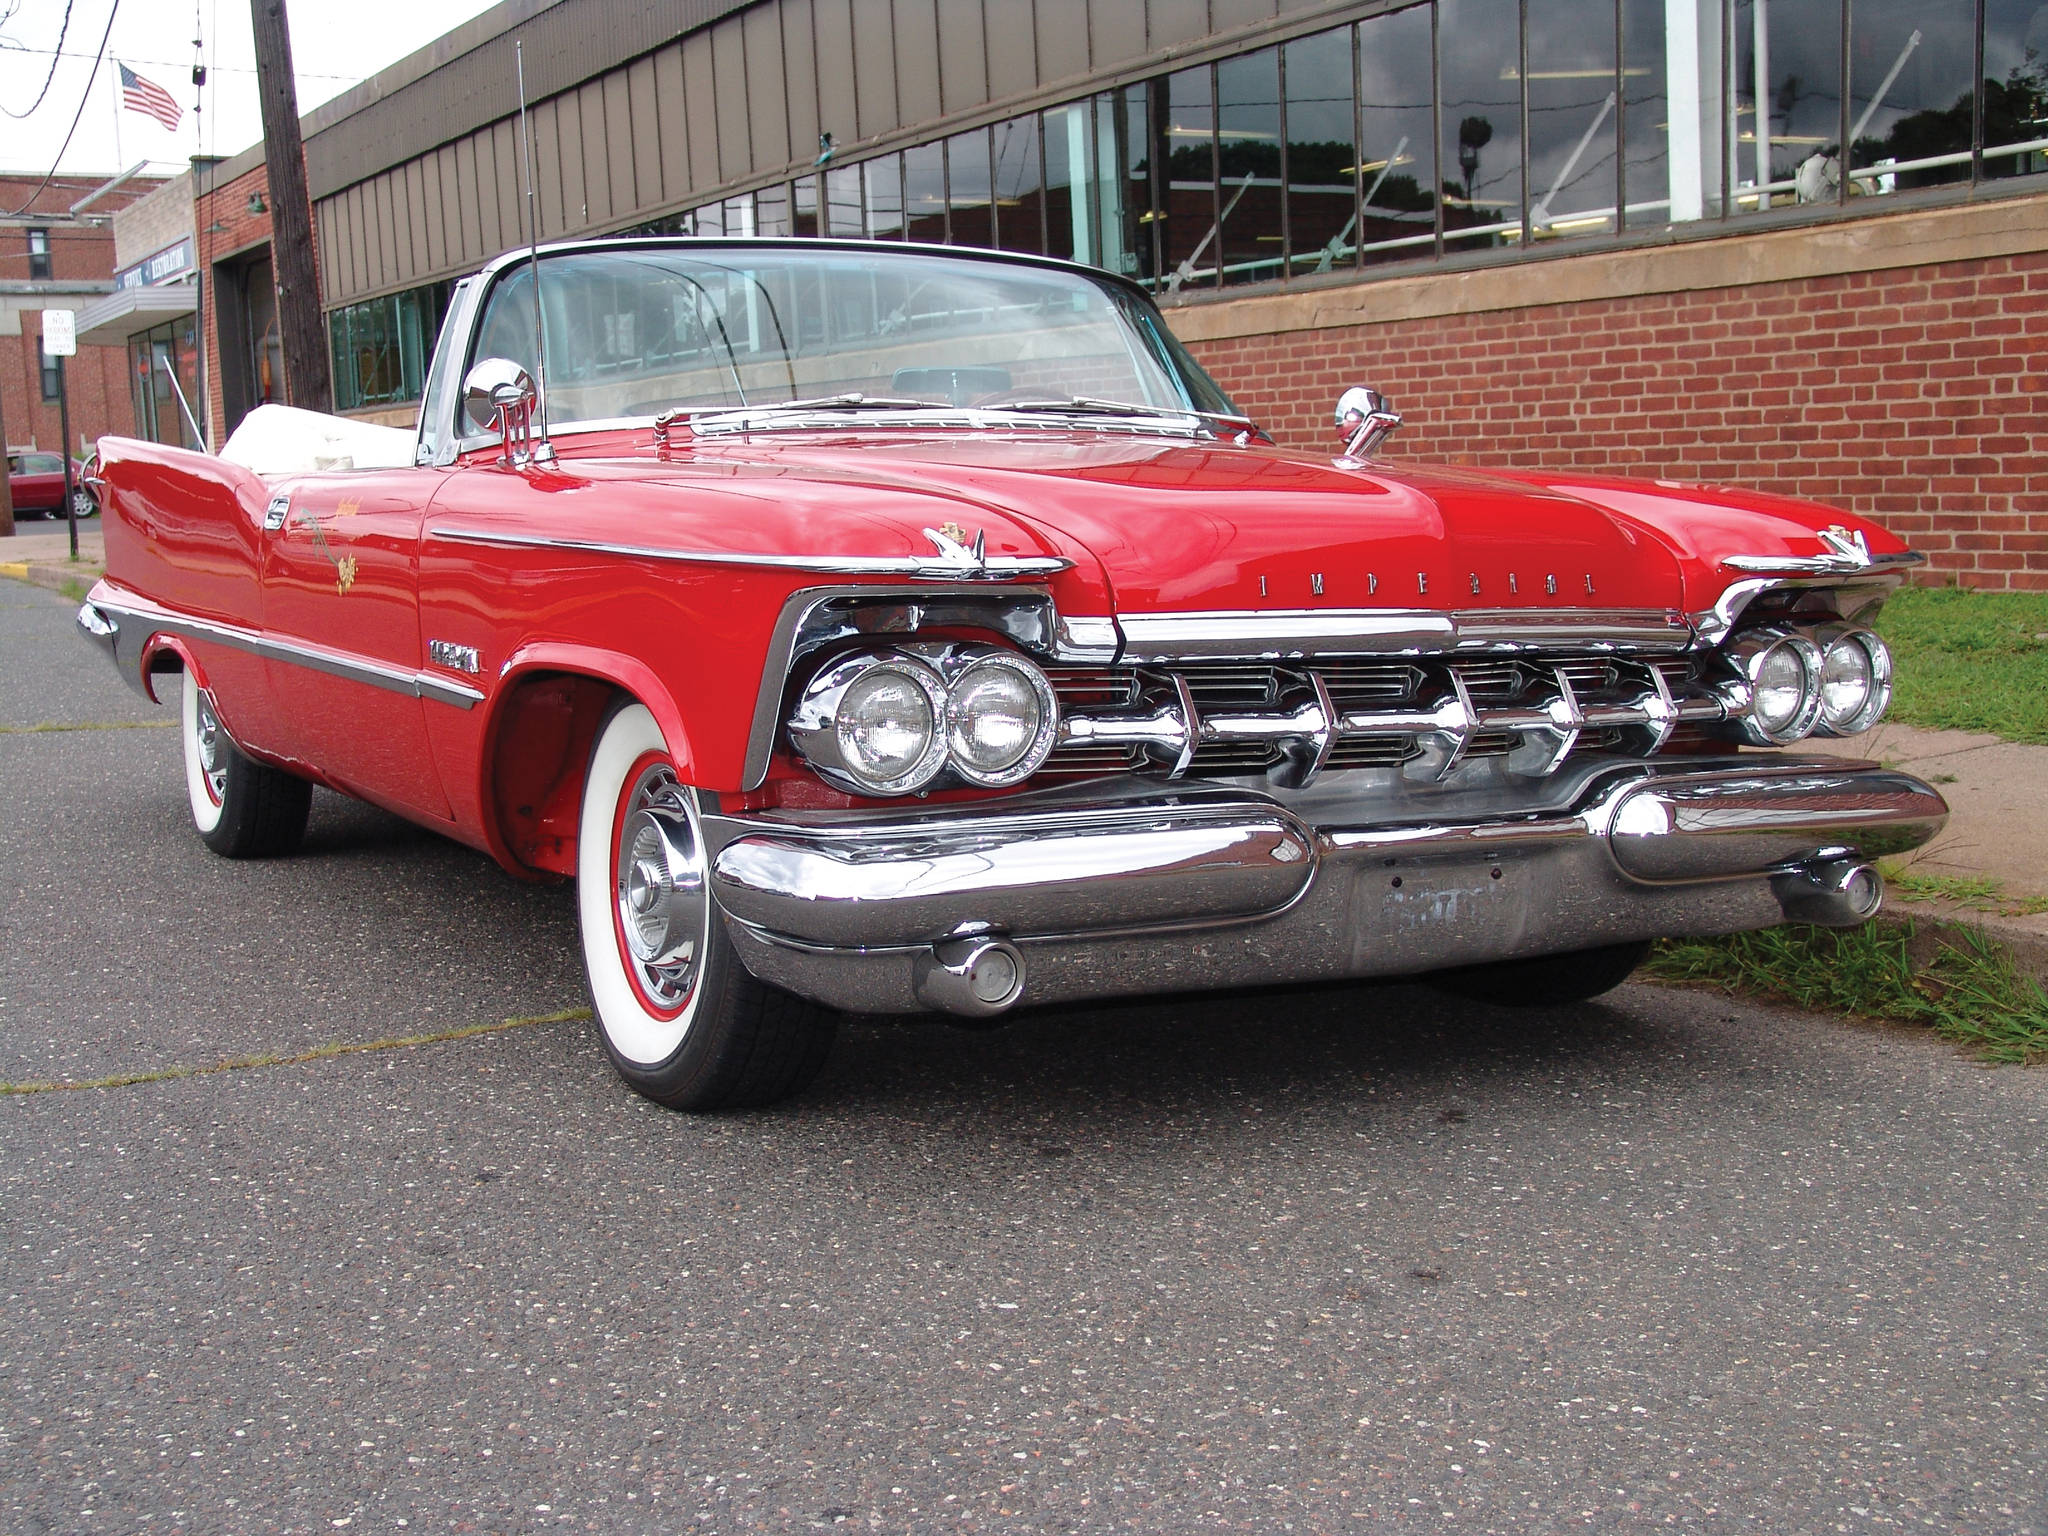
60 333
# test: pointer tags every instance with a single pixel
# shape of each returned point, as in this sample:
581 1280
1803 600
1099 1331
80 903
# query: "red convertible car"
872 629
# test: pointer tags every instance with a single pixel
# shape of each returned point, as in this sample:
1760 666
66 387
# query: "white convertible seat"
283 440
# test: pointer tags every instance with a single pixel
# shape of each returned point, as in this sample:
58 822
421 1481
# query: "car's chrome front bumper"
1124 887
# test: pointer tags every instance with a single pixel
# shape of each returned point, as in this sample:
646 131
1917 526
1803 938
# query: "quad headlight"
889 722
1835 680
1783 672
1855 680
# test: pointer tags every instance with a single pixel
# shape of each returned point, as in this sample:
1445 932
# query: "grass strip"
1980 893
295 1058
1970 661
1967 992
85 725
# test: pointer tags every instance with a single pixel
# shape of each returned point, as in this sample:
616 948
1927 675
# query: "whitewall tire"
682 1019
241 809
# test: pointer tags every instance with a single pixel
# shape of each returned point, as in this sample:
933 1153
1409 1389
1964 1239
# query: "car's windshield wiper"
848 402
1082 405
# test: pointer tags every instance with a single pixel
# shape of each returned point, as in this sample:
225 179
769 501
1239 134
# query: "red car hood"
1166 526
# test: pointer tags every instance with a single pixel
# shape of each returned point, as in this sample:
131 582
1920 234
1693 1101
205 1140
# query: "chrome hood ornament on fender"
1847 552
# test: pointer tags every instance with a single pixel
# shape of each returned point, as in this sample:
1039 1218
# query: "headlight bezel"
939 670
1033 757
1879 698
816 729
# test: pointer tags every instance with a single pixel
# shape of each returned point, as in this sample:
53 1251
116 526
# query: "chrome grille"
1490 679
1254 717
1094 687
1372 751
1352 681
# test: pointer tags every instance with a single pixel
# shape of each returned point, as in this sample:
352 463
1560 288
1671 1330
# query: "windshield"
635 333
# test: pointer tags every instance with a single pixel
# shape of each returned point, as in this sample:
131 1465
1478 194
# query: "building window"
1450 127
382 347
39 255
53 379
163 382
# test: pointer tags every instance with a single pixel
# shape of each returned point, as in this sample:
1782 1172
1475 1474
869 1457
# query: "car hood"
1170 526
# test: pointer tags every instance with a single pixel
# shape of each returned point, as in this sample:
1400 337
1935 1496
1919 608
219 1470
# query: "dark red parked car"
36 482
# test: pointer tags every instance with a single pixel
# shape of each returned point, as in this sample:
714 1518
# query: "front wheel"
1548 981
241 808
683 1021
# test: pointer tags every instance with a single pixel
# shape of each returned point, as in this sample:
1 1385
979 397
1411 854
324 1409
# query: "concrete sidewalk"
45 558
1997 793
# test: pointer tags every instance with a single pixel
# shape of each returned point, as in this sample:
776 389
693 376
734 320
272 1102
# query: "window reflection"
1067 179
971 195
1572 105
1910 100
843 218
1402 136
882 192
1322 170
1482 122
924 193
1185 205
1019 188
1396 137
1252 230
2015 87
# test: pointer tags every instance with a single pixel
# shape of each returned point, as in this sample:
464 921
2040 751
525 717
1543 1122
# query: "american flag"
148 98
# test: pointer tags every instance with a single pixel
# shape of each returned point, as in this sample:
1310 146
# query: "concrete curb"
2024 940
55 577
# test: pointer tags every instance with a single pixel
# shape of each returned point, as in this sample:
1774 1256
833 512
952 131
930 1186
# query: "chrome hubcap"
663 907
213 757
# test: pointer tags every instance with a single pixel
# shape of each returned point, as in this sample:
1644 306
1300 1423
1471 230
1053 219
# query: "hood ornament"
1846 551
1366 420
950 540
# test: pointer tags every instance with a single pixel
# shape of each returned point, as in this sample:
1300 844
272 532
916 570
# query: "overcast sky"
334 45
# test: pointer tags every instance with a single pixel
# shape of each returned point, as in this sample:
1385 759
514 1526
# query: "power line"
85 96
231 69
56 53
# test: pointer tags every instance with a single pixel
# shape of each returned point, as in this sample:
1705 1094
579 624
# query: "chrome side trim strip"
1284 634
934 567
152 619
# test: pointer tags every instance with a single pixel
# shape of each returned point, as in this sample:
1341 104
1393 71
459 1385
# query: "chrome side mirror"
1365 420
498 395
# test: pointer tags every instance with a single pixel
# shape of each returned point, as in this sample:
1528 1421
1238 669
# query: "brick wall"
227 206
1914 395
82 264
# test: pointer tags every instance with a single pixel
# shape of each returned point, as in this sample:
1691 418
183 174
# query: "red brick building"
1896 366
238 291
52 259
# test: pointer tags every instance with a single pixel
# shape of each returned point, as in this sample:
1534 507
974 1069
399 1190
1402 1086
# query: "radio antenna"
543 451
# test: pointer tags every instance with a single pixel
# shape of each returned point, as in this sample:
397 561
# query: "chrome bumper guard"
1124 887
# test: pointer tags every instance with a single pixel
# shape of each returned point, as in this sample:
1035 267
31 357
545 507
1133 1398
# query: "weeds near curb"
49 726
1968 992
1980 893
296 1058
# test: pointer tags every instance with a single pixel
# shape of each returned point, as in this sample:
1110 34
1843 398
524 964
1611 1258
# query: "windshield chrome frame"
455 437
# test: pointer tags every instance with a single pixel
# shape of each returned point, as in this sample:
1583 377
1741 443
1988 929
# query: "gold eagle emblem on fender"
344 565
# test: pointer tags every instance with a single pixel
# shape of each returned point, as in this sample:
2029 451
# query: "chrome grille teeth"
1297 719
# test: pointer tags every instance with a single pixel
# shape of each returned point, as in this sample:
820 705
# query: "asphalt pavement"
1318 1260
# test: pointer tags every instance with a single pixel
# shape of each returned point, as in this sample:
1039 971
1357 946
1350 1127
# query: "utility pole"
6 491
299 326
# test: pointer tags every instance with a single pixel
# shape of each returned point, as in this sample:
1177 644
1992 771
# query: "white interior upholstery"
283 440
